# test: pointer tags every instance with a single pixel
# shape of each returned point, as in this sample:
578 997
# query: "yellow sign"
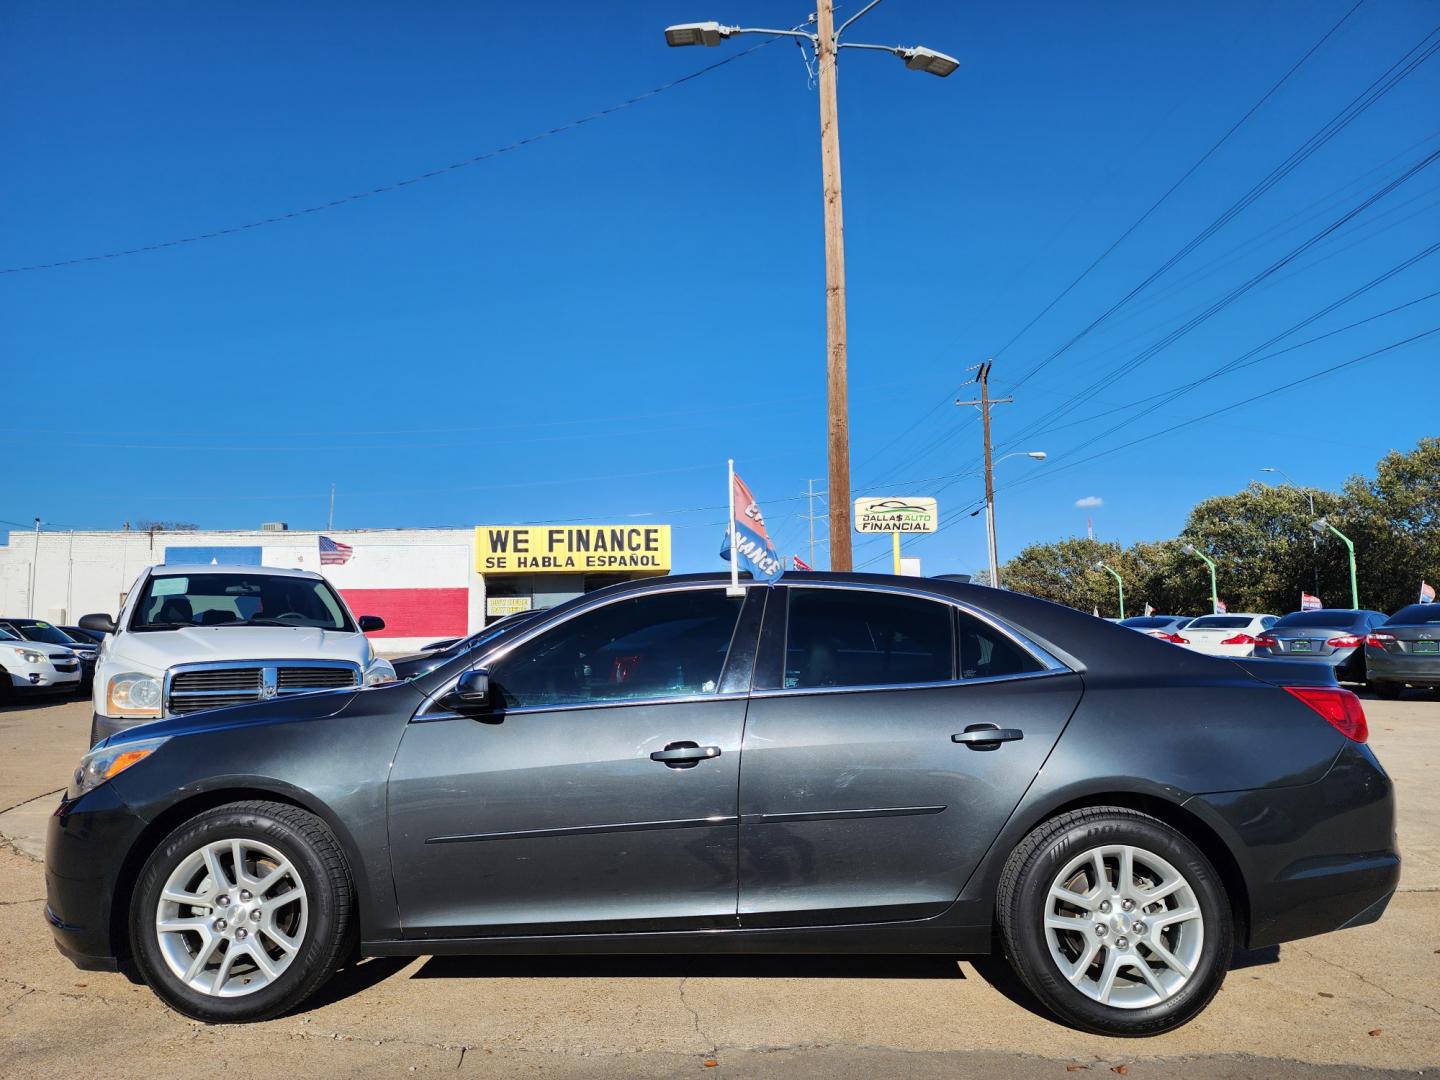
577 549
497 606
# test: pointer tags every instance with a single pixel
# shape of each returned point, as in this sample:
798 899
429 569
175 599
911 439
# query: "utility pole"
984 402
837 398
330 525
34 560
827 41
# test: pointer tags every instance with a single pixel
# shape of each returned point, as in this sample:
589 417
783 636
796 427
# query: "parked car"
1231 634
201 637
44 633
84 637
1332 636
1165 627
416 664
1404 650
576 786
28 668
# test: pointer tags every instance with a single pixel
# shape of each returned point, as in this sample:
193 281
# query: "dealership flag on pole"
797 563
1427 593
1310 603
748 536
334 553
1220 608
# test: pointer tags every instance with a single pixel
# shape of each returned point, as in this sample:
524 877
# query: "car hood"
156 650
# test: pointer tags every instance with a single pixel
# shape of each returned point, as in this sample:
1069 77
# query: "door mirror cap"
367 623
472 691
101 624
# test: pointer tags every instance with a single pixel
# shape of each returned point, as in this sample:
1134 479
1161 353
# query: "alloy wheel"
231 917
1123 926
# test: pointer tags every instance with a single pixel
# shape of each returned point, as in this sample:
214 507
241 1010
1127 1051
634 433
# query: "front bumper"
43 681
1315 857
1403 668
85 846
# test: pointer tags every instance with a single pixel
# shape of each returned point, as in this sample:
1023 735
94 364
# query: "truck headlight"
133 694
379 671
30 656
105 762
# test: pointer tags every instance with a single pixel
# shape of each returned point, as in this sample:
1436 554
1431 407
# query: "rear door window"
854 637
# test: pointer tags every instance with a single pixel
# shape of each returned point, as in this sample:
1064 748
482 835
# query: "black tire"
1024 896
310 847
1387 691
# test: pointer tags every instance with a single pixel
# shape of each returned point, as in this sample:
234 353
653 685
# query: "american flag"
334 553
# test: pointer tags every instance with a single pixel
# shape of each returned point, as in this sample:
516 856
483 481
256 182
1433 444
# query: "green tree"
1394 520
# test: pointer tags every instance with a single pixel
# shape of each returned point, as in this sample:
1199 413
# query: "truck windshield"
175 601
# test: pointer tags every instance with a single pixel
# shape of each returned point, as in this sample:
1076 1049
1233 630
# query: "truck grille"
191 688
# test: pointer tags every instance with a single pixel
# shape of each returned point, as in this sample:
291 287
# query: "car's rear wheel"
1115 921
242 912
1388 691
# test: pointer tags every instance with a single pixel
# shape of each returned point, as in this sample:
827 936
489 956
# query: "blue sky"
586 327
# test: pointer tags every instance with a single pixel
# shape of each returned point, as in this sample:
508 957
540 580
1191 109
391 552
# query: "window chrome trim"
522 710
422 714
945 684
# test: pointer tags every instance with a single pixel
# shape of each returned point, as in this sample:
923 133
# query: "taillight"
1379 640
1345 641
1265 641
1240 639
1174 639
1340 707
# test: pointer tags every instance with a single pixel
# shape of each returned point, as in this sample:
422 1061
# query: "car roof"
166 569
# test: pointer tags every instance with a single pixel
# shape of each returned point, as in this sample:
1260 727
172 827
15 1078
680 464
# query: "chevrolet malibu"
928 767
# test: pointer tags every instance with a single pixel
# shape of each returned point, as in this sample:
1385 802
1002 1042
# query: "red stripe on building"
413 612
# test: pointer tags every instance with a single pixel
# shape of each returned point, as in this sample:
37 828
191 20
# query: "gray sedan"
1404 650
1331 636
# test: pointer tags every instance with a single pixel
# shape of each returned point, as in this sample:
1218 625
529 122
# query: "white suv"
191 638
32 667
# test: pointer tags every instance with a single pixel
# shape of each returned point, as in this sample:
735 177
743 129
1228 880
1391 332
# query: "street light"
1191 549
826 43
1119 584
1321 526
990 546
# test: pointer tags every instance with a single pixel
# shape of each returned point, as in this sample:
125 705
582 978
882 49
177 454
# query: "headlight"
379 671
105 762
134 694
30 656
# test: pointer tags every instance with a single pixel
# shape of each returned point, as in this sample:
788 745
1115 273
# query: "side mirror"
472 691
101 624
367 623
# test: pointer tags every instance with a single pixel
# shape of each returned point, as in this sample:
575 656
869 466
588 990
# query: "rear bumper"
85 847
1416 670
1316 857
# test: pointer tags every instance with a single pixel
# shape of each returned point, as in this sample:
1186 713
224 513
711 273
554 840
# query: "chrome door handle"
987 736
684 755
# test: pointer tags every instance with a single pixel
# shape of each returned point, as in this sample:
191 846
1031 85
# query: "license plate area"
1301 646
1427 647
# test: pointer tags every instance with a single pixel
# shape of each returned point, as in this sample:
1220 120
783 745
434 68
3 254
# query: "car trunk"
1278 672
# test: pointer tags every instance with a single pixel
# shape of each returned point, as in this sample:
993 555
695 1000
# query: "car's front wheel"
242 912
1115 921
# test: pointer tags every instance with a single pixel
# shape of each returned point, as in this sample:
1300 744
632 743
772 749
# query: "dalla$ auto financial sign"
896 515
547 549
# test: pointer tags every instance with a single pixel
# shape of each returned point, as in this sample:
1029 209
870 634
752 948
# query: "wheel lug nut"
1120 943
1128 905
222 900
244 895
1100 930
1105 906
221 925
242 933
1138 927
255 915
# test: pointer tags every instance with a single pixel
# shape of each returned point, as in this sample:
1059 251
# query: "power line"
1183 177
385 189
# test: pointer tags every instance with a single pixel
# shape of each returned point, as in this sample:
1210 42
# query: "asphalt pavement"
1362 1002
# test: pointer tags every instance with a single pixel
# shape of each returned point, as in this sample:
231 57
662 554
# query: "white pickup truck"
191 638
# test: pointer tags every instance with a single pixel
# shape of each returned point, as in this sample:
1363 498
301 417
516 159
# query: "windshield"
173 601
498 629
32 630
1416 615
1219 622
1332 619
5 635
